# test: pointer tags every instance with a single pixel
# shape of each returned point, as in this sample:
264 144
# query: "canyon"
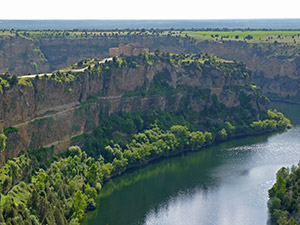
49 112
275 65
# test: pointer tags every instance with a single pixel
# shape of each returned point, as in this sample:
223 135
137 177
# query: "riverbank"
200 187
157 159
71 181
281 100
186 151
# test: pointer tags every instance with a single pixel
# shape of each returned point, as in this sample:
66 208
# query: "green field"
253 36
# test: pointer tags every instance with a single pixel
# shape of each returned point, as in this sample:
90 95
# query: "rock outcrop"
21 56
275 66
49 112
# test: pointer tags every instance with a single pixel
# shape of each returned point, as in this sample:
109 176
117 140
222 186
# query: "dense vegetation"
38 189
94 68
35 190
284 199
120 127
68 186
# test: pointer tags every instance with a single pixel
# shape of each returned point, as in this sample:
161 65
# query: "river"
225 184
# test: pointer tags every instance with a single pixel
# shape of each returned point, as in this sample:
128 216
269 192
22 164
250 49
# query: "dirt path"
74 70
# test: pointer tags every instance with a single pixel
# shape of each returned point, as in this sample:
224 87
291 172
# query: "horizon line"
152 19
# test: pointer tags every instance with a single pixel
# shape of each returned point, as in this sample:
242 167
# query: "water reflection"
223 185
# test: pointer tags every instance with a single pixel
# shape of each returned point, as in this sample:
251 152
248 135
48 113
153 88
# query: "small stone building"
132 49
114 52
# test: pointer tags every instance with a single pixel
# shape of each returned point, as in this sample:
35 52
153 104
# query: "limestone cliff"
275 66
54 109
21 56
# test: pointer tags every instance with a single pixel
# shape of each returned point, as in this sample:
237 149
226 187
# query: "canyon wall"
47 112
275 66
20 55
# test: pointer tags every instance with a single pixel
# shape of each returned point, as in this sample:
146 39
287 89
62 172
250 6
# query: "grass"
286 36
198 35
258 36
6 33
193 58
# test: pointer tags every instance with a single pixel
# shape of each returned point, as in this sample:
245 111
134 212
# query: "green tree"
9 208
197 139
229 128
79 204
222 135
274 203
181 133
280 188
93 174
105 170
13 170
208 137
59 217
90 192
119 165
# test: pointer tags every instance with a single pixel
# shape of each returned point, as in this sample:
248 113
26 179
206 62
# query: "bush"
10 130
2 142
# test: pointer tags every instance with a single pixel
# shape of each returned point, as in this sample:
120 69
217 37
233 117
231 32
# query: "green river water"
225 184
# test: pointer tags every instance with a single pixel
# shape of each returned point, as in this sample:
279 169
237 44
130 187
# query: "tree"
13 170
249 37
229 128
59 217
222 135
181 133
197 139
208 137
105 170
91 193
13 80
9 208
157 52
93 175
119 165
283 172
274 203
32 202
79 204
75 150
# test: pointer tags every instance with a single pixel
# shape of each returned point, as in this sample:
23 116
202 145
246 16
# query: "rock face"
19 55
47 112
275 66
